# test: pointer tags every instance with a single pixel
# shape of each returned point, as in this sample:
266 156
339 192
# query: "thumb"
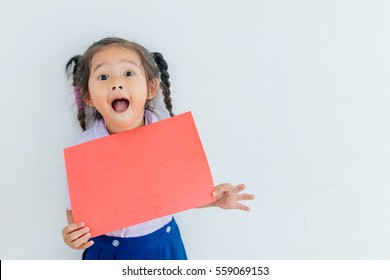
221 189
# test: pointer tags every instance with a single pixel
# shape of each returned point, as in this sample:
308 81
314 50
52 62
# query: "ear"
152 89
87 99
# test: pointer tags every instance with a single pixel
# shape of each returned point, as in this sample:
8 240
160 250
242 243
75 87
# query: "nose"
117 87
117 84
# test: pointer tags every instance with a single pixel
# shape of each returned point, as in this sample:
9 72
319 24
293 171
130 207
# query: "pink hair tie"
77 96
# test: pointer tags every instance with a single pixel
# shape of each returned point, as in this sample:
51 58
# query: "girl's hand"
76 236
227 197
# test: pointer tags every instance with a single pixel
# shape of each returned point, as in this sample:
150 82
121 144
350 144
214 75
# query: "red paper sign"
138 175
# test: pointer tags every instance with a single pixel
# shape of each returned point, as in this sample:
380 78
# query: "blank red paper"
138 175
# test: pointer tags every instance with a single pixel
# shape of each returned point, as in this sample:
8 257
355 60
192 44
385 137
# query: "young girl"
119 83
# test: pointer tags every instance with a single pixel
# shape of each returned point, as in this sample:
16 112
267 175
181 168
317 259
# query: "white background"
290 97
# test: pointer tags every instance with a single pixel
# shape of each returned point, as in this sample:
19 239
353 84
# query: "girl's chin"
121 126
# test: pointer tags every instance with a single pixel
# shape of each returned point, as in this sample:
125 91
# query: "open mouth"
120 105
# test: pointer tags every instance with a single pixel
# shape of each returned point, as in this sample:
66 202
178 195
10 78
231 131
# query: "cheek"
90 88
94 90
139 91
92 84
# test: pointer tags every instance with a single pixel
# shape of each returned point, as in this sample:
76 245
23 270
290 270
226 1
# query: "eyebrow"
122 61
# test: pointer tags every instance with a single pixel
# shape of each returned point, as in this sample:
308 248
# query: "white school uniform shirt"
97 131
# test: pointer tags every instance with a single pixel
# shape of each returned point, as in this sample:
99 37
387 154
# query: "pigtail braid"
165 84
81 115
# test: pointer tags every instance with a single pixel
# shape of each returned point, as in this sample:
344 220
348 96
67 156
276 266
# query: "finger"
77 244
78 233
238 188
243 207
72 227
67 233
245 196
221 189
86 245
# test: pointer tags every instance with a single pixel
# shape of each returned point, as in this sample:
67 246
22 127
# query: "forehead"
114 54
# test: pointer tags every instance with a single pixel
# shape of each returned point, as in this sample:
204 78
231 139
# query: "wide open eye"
129 74
103 77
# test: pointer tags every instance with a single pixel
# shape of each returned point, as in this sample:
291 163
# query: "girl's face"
118 88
